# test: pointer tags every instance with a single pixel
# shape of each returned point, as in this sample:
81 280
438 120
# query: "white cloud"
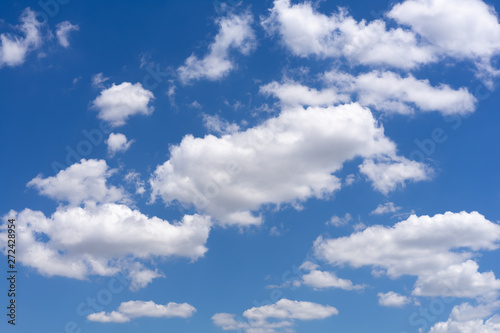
392 299
140 277
98 80
460 280
464 29
492 325
218 125
382 90
321 280
134 178
382 209
466 318
340 221
286 159
349 179
102 237
387 174
292 93
105 239
235 33
136 309
305 32
118 143
63 31
389 92
14 49
308 266
432 248
171 93
283 313
433 30
117 103
466 312
81 182
113 317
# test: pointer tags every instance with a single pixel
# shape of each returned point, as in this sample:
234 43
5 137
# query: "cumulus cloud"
392 299
286 159
118 143
15 48
382 209
322 280
283 313
102 237
105 239
305 31
460 280
235 33
464 29
137 309
391 93
112 317
292 93
81 182
430 30
63 30
117 103
387 174
491 325
438 249
466 311
382 90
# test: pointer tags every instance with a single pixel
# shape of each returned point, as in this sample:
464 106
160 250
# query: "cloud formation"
15 48
62 32
283 313
137 309
118 143
235 33
286 159
439 250
119 102
101 237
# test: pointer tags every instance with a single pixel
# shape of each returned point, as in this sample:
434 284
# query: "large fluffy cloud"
136 309
460 280
76 242
437 249
14 48
283 313
463 29
101 237
286 159
235 33
305 31
119 102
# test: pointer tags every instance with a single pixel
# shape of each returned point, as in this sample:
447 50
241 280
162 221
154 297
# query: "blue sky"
256 167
